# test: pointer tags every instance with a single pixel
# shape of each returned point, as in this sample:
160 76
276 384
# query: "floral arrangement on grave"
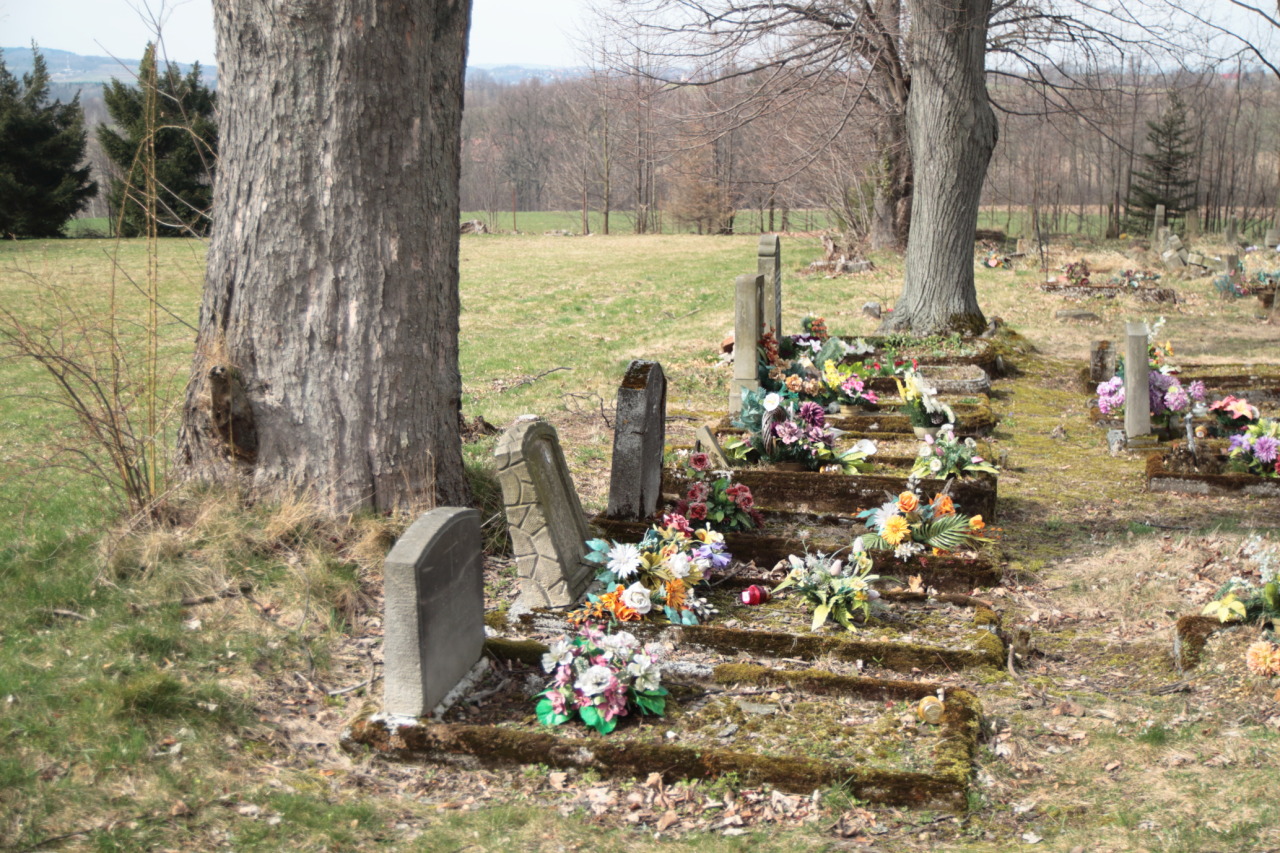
1233 414
1242 599
920 402
908 526
1077 273
657 575
996 260
600 677
838 591
1256 450
946 456
714 498
848 385
1135 278
780 428
799 374
1166 396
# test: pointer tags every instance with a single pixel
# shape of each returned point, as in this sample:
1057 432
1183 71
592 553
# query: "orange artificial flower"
976 523
896 529
676 594
908 502
1258 658
794 384
943 505
620 611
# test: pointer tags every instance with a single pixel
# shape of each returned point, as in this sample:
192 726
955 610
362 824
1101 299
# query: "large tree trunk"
953 131
891 217
327 355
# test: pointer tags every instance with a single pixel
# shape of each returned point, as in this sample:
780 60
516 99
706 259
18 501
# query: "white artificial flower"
935 465
858 546
865 446
624 560
619 642
594 681
969 442
926 449
907 550
637 598
561 652
678 564
834 568
771 401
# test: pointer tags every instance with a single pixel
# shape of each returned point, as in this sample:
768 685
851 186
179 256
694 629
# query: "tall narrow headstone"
746 332
544 516
1232 263
1193 224
1137 400
639 433
433 630
1102 361
1232 232
769 265
1158 222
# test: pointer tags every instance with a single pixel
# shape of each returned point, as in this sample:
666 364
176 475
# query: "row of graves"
790 599
1206 431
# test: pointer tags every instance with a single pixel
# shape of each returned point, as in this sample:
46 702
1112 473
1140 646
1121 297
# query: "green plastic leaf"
819 616
547 715
591 716
606 726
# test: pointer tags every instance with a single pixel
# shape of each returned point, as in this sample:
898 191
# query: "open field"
128 722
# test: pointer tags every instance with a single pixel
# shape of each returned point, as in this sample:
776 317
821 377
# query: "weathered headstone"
746 332
1158 222
1272 238
1102 361
707 441
1192 221
1173 260
639 433
769 265
1137 401
433 630
872 309
1232 232
544 516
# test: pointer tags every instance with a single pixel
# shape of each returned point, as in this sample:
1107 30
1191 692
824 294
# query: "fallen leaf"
1112 766
669 819
1031 838
557 780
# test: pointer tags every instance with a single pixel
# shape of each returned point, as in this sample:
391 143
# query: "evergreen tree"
41 145
185 135
1166 174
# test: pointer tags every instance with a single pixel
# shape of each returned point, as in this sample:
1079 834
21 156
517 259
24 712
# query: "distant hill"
72 68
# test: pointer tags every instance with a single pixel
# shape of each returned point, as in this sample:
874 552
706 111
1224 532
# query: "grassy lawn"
129 722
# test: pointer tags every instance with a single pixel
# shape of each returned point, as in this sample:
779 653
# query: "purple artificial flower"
787 432
816 434
718 558
1197 391
812 414
1264 448
1111 395
1176 399
1239 441
1157 384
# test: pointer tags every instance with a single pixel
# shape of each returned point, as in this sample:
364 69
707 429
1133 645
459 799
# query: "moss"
496 619
899 656
1189 637
525 651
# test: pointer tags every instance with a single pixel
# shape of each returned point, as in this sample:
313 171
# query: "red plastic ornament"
754 595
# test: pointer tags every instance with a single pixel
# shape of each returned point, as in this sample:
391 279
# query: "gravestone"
1192 221
1158 222
1102 361
434 610
1076 315
1272 238
544 516
1232 232
1137 401
769 265
707 441
1231 266
639 433
747 307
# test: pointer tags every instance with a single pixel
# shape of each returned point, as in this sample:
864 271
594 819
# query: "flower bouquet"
909 526
1233 414
1166 396
600 677
713 497
782 429
847 385
920 403
1256 449
947 456
659 572
838 591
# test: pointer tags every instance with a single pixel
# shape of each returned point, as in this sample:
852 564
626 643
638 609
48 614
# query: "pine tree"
185 136
41 145
1166 174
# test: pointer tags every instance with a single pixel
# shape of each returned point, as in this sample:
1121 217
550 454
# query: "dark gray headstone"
639 434
1137 401
1102 361
544 516
769 265
434 610
1077 315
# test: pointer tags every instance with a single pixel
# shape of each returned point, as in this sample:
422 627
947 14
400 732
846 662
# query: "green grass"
119 715
623 223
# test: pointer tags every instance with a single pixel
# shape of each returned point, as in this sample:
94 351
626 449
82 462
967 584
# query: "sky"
503 32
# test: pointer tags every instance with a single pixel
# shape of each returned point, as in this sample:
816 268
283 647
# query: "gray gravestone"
1137 400
639 433
433 628
1232 233
1272 238
707 441
1102 361
544 516
769 265
1232 264
1159 221
746 333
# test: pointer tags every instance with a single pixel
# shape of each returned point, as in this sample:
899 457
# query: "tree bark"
327 354
952 129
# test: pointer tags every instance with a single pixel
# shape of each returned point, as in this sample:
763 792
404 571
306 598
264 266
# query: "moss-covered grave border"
945 786
1161 479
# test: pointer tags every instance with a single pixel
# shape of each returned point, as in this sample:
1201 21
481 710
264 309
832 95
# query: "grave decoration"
1076 283
1256 450
921 405
1245 469
782 429
1251 598
944 456
600 677
909 527
712 496
656 575
1233 415
841 591
1168 399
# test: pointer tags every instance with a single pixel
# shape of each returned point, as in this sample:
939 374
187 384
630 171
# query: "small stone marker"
639 433
769 265
1232 264
1192 221
1102 361
1137 400
544 515
707 441
1272 238
872 310
434 612
746 332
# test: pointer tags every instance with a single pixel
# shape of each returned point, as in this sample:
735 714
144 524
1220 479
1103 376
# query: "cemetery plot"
1204 474
798 729
1111 291
974 419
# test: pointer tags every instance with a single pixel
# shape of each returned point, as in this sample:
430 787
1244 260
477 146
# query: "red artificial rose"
700 461
698 511
744 499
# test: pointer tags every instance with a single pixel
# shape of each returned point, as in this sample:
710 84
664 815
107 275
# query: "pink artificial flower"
700 461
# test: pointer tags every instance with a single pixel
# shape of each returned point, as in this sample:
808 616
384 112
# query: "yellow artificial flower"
896 529
976 523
